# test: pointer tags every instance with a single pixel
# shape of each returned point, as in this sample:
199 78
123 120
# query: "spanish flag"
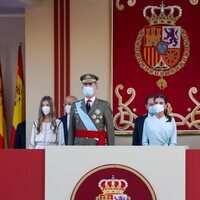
19 106
3 132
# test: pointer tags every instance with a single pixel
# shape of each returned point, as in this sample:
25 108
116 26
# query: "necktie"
88 105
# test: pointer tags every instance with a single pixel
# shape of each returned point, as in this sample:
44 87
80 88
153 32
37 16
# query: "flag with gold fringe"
19 105
3 131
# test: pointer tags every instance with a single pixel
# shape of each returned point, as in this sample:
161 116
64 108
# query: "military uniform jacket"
101 116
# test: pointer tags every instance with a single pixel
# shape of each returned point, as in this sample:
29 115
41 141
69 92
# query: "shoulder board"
101 100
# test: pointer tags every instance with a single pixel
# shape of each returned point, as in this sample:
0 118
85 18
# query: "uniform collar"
92 99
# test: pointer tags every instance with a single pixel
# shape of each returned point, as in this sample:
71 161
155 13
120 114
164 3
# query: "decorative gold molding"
124 110
194 2
125 118
121 6
179 132
190 120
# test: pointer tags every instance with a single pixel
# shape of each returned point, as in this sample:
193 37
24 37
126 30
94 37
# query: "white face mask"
159 108
88 91
67 108
46 110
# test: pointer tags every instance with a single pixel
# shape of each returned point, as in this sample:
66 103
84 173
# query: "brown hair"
162 96
52 114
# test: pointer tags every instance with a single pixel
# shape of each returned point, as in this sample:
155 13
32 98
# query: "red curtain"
143 51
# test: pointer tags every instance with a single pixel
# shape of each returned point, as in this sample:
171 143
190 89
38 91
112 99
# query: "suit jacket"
100 114
20 137
64 121
138 130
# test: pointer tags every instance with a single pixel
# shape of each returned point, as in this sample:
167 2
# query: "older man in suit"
69 100
139 123
91 121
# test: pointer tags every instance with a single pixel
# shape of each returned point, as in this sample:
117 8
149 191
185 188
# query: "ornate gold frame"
133 171
120 6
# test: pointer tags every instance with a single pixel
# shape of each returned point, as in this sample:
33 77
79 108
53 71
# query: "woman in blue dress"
160 129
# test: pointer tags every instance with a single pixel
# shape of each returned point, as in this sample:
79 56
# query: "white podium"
93 172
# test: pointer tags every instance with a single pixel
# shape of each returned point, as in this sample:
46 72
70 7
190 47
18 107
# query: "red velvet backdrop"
182 87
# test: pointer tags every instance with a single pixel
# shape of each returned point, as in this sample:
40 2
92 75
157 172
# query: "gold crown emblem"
162 14
88 76
113 186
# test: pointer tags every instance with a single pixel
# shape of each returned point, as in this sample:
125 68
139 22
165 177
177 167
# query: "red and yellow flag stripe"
19 106
3 131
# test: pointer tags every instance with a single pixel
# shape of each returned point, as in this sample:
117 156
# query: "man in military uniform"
91 121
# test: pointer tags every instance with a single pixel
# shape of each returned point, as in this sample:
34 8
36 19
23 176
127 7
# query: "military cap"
88 78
